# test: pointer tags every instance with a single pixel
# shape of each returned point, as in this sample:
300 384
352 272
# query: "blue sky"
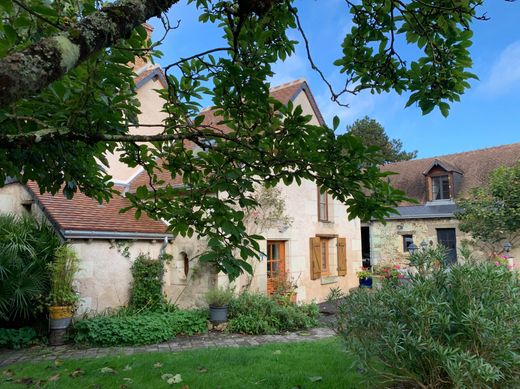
488 114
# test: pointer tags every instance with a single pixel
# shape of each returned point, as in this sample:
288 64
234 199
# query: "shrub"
142 328
62 272
148 278
455 328
17 338
218 297
26 249
254 313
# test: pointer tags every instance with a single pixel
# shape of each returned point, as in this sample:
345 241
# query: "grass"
318 364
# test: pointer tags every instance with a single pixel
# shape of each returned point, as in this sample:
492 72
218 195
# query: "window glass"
407 241
440 188
323 204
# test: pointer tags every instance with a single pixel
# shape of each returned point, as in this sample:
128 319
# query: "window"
324 256
275 258
323 206
407 241
440 188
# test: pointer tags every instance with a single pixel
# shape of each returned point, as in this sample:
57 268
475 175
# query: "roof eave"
120 235
425 216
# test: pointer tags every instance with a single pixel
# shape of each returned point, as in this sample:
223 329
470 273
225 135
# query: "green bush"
452 328
17 338
139 328
253 313
146 289
26 249
218 297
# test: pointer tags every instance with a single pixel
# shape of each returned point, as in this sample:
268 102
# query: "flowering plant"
364 273
502 261
389 271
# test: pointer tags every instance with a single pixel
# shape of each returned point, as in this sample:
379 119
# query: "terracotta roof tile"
475 166
82 213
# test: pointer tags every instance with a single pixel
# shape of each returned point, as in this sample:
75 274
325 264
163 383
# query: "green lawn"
318 364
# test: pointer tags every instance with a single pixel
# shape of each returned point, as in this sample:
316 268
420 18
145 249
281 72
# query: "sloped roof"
147 73
476 166
424 212
290 90
283 93
85 217
443 164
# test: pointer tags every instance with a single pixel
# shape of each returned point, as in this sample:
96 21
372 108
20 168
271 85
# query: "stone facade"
386 241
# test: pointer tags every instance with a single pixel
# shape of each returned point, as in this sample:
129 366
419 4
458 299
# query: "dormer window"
440 188
442 180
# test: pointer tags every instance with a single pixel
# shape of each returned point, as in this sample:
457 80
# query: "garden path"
180 343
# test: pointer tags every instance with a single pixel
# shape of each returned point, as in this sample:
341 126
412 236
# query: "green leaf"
335 123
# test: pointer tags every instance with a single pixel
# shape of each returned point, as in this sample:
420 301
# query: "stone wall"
302 206
386 241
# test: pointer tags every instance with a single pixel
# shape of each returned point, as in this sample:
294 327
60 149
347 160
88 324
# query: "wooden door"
448 238
275 262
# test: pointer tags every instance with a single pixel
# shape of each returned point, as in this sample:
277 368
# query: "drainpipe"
163 247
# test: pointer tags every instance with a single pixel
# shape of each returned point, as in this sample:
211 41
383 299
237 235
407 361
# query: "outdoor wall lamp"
412 248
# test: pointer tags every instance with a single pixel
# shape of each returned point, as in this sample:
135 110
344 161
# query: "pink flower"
397 267
497 263
509 267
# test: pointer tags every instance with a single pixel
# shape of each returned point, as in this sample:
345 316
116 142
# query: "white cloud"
505 73
291 69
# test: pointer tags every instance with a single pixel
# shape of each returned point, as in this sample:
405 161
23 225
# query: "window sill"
325 280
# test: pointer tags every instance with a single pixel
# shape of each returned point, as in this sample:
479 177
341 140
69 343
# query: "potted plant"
218 300
365 278
62 298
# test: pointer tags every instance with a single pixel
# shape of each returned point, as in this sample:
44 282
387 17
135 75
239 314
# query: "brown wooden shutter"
342 256
315 255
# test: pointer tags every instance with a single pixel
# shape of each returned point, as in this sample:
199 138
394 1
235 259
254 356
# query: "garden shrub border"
139 328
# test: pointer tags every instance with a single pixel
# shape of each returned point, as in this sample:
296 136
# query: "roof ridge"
287 84
453 154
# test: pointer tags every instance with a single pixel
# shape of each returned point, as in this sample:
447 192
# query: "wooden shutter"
315 255
342 256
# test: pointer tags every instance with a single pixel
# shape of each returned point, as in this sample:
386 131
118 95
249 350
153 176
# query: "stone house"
435 183
319 249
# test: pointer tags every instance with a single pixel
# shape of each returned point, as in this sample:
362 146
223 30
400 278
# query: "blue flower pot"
365 283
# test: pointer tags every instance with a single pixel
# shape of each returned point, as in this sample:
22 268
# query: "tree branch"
31 70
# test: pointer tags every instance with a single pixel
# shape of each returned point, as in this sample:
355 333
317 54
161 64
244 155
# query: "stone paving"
211 339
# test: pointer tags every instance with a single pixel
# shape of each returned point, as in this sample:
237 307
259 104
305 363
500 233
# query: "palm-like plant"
26 249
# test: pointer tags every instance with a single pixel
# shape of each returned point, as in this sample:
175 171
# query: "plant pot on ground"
218 300
365 278
62 298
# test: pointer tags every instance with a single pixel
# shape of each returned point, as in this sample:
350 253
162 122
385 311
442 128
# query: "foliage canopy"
372 133
58 136
491 213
